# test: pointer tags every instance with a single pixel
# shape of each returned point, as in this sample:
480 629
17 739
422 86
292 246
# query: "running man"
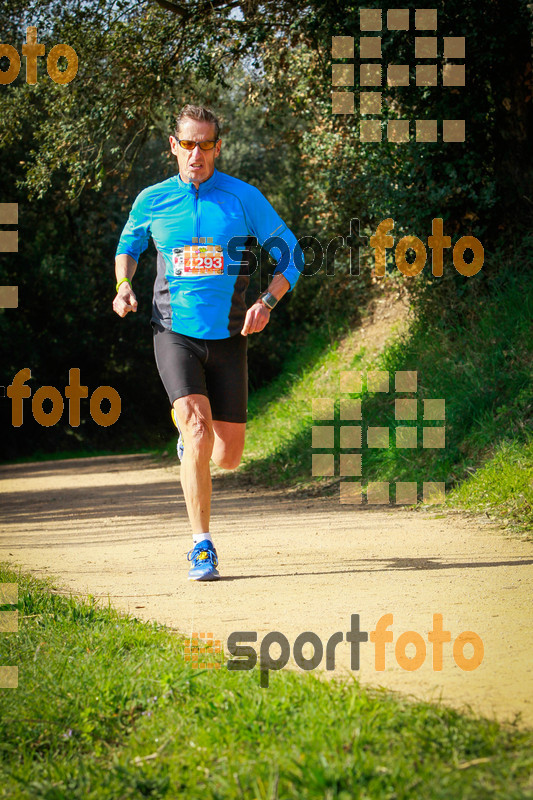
202 222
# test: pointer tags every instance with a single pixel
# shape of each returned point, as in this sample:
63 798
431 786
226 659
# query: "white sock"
200 537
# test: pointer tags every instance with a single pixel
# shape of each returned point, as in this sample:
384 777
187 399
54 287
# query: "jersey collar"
203 187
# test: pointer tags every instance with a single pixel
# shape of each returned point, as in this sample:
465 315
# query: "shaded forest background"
74 157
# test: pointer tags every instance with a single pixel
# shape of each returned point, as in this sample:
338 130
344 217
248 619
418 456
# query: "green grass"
480 366
502 487
279 431
107 708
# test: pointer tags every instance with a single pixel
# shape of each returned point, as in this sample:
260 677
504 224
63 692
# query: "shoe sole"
210 577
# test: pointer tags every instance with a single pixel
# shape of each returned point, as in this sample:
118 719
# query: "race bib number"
198 259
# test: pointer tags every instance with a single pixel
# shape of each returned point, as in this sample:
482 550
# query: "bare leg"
193 413
229 443
204 438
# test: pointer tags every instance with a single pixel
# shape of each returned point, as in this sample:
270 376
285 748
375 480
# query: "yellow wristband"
121 282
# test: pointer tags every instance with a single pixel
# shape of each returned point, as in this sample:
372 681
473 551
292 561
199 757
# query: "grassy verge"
480 366
502 487
107 708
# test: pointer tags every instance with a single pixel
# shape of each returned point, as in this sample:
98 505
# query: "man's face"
195 165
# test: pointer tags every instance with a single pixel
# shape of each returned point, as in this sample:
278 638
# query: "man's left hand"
257 318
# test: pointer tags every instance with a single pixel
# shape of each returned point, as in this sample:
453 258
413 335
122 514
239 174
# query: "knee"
198 433
228 460
227 456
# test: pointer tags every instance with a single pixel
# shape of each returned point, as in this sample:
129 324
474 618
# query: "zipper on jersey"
196 220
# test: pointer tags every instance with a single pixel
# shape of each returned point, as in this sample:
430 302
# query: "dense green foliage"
107 707
75 156
478 359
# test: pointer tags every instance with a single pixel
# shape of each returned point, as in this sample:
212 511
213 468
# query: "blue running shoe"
204 562
179 446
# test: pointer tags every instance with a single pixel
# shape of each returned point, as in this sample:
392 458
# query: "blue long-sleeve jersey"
202 237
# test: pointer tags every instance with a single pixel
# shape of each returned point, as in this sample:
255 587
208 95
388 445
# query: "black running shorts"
216 368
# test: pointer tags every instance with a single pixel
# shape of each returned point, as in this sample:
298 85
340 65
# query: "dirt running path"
117 526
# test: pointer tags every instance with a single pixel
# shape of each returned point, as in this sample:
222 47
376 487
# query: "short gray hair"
198 113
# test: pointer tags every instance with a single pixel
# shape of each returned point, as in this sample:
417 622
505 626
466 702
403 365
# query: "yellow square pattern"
454 47
434 409
342 46
426 47
433 492
9 621
398 130
323 436
350 409
453 75
9 677
370 102
342 103
9 593
370 47
323 408
398 19
350 492
426 19
453 130
426 130
323 464
370 130
434 437
351 464
378 437
426 75
9 296
351 381
377 492
370 75
405 408
406 381
342 75
351 437
370 19
406 493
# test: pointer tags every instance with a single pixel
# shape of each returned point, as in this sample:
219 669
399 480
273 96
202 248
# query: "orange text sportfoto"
32 50
381 241
18 390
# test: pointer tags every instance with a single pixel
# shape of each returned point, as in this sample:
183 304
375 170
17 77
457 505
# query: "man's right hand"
125 300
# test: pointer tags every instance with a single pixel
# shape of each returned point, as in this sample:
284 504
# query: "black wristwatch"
268 300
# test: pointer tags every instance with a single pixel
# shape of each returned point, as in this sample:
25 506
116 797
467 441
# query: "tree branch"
174 7
199 10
